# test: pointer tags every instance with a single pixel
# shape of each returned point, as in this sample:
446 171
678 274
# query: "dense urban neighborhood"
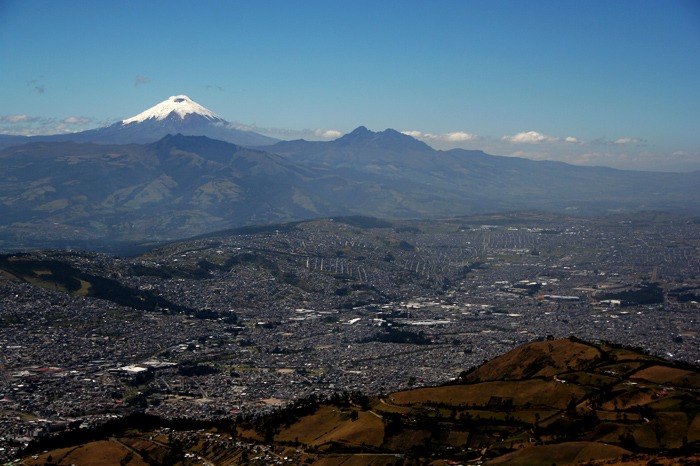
244 322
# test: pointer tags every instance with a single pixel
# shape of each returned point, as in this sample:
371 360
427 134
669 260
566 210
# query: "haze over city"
594 83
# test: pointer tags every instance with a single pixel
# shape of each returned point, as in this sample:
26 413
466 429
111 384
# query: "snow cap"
180 105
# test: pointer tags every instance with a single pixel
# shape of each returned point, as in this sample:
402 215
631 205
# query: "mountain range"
178 170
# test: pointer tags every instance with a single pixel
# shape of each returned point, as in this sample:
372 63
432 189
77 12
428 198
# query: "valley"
238 324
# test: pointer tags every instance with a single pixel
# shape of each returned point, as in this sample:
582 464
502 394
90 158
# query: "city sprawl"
246 322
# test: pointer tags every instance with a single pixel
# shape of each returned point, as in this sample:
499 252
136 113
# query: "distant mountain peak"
389 138
176 106
360 130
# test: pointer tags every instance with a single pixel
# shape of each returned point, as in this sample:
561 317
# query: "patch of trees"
293 279
249 258
687 297
252 230
406 246
393 335
139 270
116 427
354 304
531 288
407 229
59 273
114 291
646 293
362 221
10 319
465 270
636 349
69 278
685 294
196 369
202 271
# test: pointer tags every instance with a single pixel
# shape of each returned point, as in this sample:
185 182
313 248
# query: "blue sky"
613 83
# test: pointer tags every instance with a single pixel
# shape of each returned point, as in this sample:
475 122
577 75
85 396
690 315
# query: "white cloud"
14 119
530 137
571 139
327 134
459 136
627 141
71 120
25 125
291 134
456 136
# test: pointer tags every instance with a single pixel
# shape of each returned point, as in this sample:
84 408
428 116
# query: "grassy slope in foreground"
561 401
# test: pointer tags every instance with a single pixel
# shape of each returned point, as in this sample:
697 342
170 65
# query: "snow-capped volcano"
177 115
175 106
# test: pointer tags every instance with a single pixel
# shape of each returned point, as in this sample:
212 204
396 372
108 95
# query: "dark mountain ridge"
64 191
494 182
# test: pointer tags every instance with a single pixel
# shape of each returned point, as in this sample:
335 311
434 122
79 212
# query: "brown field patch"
150 450
457 438
329 424
620 369
251 434
694 429
386 407
630 399
358 460
99 453
367 430
562 453
532 415
588 378
673 428
5 275
645 435
405 438
537 392
608 432
669 375
621 354
646 460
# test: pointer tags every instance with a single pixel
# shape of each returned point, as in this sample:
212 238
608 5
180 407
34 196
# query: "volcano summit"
175 106
177 115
